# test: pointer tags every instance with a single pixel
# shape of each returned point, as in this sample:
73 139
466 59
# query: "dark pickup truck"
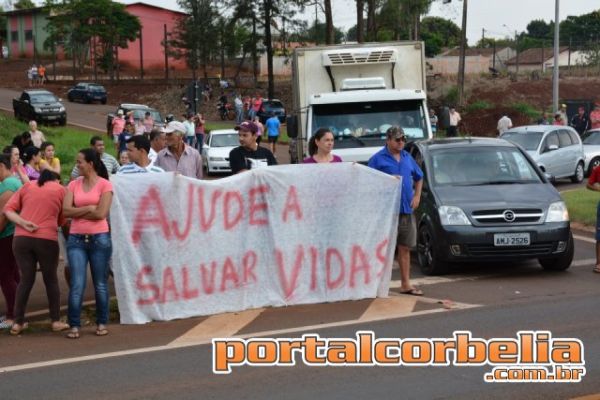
41 106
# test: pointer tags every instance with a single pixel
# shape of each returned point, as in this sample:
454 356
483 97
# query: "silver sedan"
591 148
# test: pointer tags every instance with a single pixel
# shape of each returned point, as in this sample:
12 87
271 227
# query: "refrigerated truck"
358 92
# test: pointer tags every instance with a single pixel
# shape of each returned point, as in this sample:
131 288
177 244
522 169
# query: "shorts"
407 230
273 139
598 222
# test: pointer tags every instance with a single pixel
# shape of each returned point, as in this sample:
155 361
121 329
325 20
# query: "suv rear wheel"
561 262
579 174
429 260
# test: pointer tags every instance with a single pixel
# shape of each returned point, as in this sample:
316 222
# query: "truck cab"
358 92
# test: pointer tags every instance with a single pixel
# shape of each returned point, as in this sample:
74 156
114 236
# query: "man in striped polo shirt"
138 148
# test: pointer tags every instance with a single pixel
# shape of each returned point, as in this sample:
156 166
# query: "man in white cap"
563 115
178 156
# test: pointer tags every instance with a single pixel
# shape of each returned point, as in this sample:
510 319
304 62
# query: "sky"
500 18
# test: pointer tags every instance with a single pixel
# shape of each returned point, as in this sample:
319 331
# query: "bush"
526 109
452 96
478 105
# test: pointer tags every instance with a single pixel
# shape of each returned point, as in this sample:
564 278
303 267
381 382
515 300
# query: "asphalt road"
173 359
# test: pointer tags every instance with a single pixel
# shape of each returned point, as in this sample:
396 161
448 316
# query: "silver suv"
557 150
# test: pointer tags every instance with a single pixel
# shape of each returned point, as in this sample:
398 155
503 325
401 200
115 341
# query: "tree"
581 29
23 5
447 30
360 21
76 22
317 32
197 37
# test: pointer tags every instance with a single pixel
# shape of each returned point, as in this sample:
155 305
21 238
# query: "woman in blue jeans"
87 202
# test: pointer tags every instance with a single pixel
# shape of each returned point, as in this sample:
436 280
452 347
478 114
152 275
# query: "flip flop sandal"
412 292
101 332
59 326
73 334
596 269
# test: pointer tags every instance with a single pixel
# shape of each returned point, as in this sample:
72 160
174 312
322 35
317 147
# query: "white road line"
584 238
174 345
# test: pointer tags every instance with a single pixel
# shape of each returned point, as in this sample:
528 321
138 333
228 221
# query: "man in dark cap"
249 155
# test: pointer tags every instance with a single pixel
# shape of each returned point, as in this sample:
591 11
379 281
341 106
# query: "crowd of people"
36 75
43 219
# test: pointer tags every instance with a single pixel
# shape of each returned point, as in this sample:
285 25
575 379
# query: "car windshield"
527 140
43 98
481 166
592 138
97 88
226 140
140 114
364 124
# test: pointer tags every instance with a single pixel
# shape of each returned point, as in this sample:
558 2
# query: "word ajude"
269 237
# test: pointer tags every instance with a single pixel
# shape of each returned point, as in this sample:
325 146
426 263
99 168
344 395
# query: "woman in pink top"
87 202
36 211
319 148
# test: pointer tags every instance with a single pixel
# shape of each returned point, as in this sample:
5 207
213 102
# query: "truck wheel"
429 260
104 101
63 122
561 262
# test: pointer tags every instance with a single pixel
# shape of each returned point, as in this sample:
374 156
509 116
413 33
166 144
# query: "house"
27 33
477 60
542 59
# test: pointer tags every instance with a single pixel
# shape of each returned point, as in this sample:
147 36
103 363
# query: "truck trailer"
358 92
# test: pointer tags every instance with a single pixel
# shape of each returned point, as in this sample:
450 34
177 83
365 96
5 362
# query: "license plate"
51 117
511 239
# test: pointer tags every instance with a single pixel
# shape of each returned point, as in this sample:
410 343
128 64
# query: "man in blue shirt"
273 126
393 160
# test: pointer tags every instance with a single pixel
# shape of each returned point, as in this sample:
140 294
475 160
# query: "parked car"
215 152
591 148
87 92
557 150
139 111
269 107
484 200
41 106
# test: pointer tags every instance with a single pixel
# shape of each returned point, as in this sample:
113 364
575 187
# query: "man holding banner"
394 160
249 154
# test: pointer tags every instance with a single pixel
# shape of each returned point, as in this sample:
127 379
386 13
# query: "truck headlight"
61 109
557 212
37 109
451 215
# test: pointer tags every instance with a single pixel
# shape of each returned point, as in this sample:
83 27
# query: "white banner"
276 236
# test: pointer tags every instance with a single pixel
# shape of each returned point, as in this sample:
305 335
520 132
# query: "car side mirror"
550 177
26 101
292 126
59 99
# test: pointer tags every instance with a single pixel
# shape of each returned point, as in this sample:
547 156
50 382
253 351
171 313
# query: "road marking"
584 262
176 344
221 325
584 238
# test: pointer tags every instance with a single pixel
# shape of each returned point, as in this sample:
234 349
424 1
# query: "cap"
175 126
248 127
395 132
563 106
120 112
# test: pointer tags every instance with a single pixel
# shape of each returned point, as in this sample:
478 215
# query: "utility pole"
482 37
461 60
555 76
